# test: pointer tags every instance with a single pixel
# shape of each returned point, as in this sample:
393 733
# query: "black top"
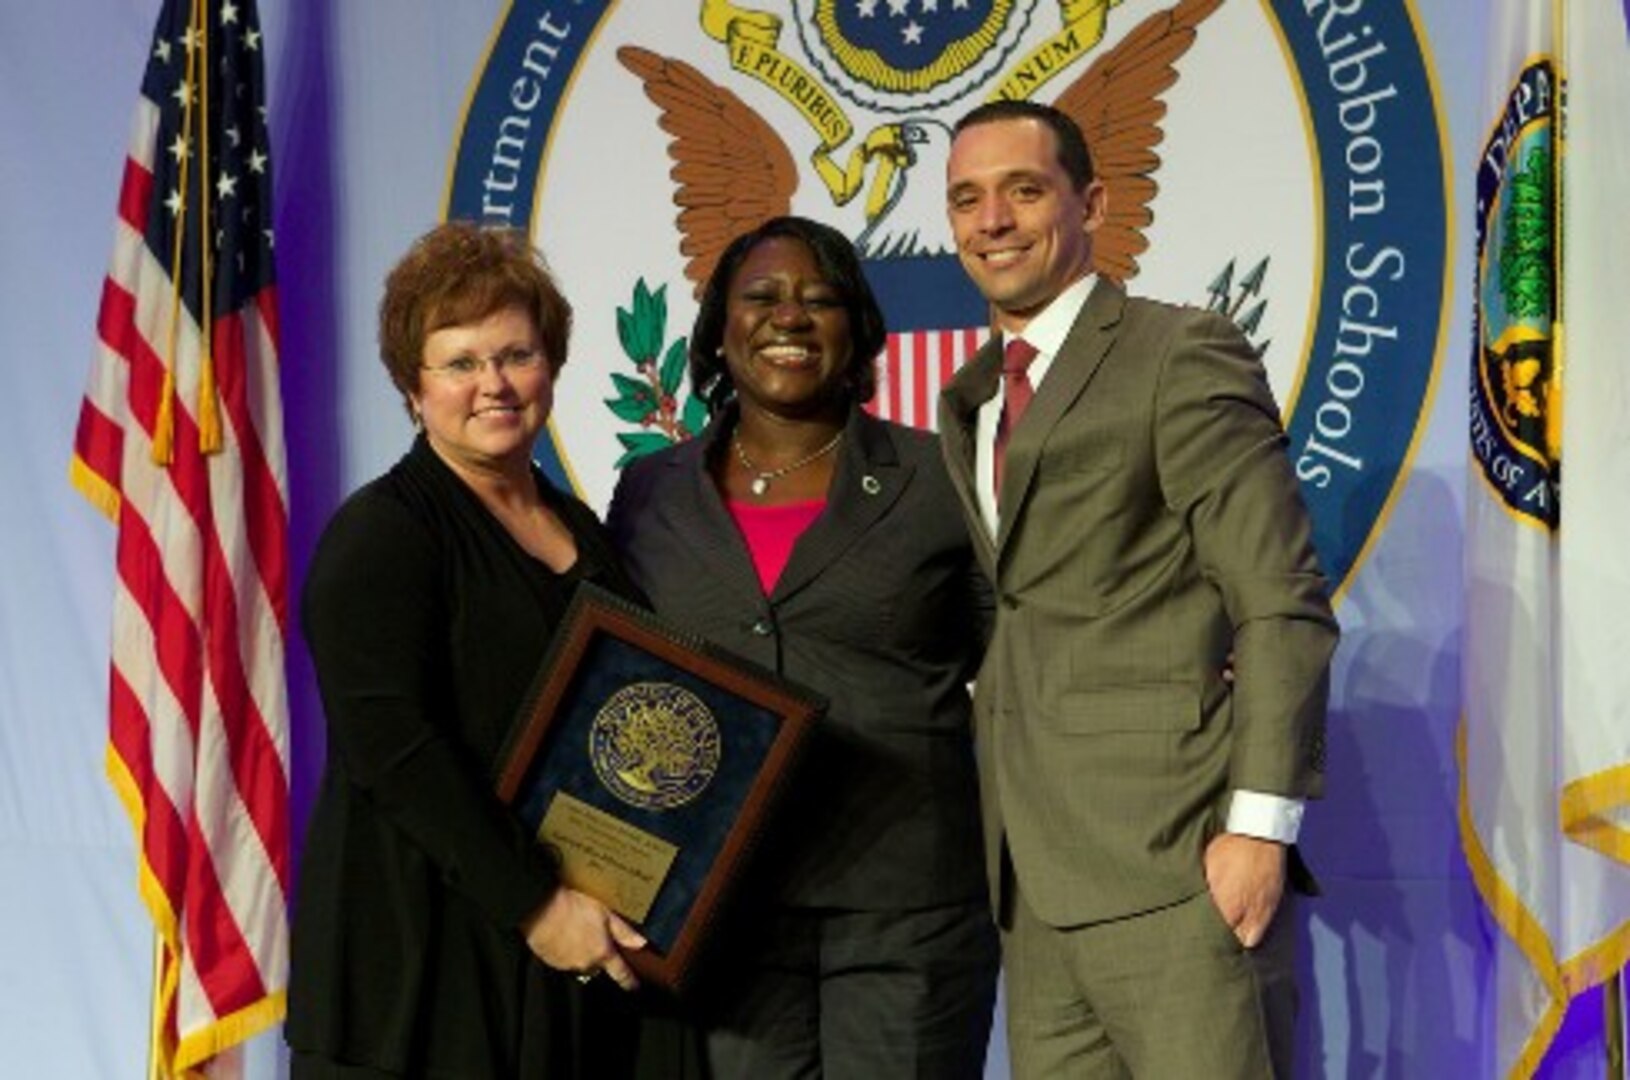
426 622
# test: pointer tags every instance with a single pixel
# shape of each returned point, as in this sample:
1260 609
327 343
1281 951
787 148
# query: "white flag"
1545 778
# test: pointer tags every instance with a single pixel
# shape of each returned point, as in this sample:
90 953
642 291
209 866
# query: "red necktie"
1016 395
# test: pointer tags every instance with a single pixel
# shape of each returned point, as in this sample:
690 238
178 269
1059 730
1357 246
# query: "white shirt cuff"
1266 817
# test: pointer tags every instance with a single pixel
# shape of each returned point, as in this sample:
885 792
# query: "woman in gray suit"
827 545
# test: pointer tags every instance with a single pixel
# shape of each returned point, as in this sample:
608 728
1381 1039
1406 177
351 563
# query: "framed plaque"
651 761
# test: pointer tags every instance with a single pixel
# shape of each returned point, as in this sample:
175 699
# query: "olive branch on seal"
651 399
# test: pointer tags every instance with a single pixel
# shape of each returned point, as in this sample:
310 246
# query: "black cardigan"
426 622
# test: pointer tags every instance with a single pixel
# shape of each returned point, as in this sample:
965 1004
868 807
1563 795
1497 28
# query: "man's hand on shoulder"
1246 877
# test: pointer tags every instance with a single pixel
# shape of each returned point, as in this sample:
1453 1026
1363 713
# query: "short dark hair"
461 272
840 267
1073 155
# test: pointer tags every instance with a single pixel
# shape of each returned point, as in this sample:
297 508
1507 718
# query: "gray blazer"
883 610
1150 523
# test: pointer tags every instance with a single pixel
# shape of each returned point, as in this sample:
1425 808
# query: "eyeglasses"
463 369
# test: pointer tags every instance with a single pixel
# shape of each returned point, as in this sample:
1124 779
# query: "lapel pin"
870 485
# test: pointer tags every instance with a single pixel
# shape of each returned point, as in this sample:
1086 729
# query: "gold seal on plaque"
654 745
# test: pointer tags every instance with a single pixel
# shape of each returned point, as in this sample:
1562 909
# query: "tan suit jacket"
1150 523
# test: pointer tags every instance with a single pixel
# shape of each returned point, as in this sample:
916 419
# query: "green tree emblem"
1527 240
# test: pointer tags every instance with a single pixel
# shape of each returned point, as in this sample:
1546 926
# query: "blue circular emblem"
654 745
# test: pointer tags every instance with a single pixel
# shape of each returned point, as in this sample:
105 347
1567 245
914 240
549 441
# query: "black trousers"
856 995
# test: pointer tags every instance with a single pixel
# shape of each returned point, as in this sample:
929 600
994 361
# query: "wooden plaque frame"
763 723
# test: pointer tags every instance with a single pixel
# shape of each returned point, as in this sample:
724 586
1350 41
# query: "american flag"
180 442
914 366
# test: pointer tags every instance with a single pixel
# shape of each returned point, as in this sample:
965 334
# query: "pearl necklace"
760 482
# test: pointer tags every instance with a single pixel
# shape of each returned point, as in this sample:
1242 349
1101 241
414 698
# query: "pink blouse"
771 532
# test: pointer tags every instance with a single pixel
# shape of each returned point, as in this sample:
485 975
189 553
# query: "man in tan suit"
1122 466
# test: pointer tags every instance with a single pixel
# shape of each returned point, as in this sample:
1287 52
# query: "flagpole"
155 1026
1613 1022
